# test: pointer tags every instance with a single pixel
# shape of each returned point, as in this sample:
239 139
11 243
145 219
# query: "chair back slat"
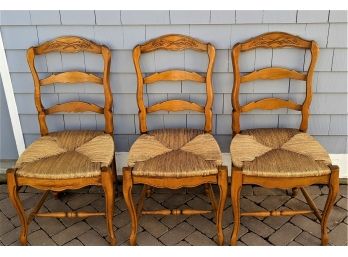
175 106
71 77
174 75
273 73
74 106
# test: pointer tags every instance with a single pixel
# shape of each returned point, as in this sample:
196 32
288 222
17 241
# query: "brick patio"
175 230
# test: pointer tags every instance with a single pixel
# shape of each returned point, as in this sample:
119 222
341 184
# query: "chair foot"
108 186
222 183
127 194
14 198
236 186
333 191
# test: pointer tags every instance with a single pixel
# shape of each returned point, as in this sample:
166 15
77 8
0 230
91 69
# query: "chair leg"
333 190
222 183
108 186
13 195
127 194
236 186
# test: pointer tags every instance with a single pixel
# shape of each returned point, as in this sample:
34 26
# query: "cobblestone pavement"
175 230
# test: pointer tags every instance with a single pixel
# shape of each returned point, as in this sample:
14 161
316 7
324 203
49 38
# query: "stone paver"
257 226
153 226
253 239
339 235
274 201
343 202
5 224
337 215
82 200
306 238
204 225
73 242
285 234
172 220
197 238
344 190
175 230
50 226
92 238
40 238
308 225
145 238
174 236
70 233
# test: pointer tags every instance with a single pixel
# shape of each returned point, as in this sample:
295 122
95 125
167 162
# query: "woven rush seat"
67 154
279 153
175 153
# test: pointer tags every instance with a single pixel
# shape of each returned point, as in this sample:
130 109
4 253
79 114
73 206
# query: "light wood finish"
172 183
272 73
75 106
167 212
174 75
72 45
210 193
272 40
174 43
277 40
276 213
175 105
68 44
38 206
71 77
311 203
108 174
270 104
70 214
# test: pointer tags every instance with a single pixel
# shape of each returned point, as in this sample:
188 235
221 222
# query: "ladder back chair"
174 158
64 160
281 157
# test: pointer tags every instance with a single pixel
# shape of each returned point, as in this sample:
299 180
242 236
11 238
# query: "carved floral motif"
179 44
78 44
275 42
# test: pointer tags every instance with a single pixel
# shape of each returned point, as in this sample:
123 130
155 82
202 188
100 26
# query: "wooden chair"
278 158
174 158
64 160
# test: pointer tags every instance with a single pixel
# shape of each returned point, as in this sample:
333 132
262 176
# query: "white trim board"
338 159
10 99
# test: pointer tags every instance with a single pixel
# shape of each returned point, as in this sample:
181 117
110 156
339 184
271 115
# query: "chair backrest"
272 40
174 42
72 44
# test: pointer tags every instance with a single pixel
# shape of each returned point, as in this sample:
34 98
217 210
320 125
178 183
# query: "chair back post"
71 44
272 40
174 42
